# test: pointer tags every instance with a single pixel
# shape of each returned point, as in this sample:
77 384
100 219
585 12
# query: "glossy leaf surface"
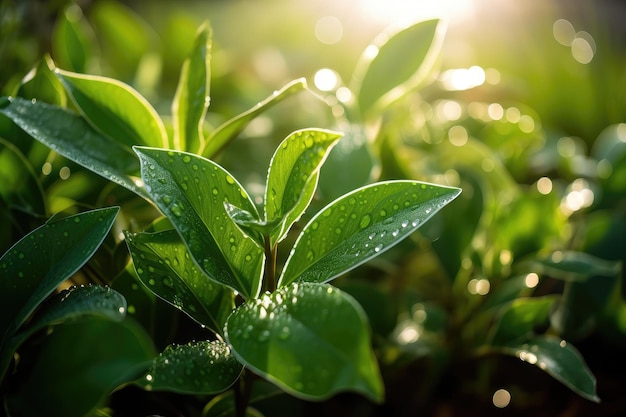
559 359
520 318
292 177
79 365
196 368
40 261
397 62
191 191
115 109
68 134
293 338
230 129
164 267
360 226
192 94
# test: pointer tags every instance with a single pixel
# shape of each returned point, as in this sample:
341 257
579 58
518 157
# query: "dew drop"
338 230
365 221
166 199
314 225
382 213
230 179
395 233
151 281
404 223
215 191
186 159
378 248
176 210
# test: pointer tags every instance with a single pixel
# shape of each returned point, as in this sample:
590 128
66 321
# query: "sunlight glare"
411 10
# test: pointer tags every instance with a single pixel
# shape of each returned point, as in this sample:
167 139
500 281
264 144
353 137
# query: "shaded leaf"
230 129
293 338
164 267
395 63
192 94
559 359
191 191
575 266
115 109
93 356
42 84
196 368
361 225
68 134
520 318
292 177
73 39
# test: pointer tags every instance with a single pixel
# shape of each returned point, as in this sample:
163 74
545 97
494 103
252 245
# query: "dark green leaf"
230 129
191 191
395 63
520 318
576 266
70 135
559 359
360 226
192 95
310 339
40 261
78 366
292 177
115 109
164 266
196 368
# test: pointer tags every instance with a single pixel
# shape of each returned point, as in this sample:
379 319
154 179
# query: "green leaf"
75 302
312 340
292 177
196 368
44 258
230 129
361 225
70 135
115 109
397 62
41 83
559 359
520 318
78 366
164 267
192 94
191 191
576 266
73 39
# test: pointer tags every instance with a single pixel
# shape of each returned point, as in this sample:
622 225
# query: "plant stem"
243 390
270 265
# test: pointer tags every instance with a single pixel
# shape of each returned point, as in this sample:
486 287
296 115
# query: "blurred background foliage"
526 114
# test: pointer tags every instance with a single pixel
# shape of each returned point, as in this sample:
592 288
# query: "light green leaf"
360 226
73 39
396 63
519 319
576 266
68 134
248 222
196 368
41 83
230 129
164 267
192 94
78 366
559 359
292 177
44 258
312 340
191 191
115 109
76 302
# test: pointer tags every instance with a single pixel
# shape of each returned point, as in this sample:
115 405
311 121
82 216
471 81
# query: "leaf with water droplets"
76 302
386 71
292 177
196 368
312 340
33 267
191 190
68 134
559 359
115 109
192 94
164 266
221 136
361 225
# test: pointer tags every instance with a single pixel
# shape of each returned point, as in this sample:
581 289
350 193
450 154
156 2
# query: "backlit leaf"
292 177
360 226
191 191
293 338
520 318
